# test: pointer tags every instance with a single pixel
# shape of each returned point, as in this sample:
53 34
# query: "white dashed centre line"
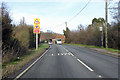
79 60
52 54
85 65
100 76
72 54
66 50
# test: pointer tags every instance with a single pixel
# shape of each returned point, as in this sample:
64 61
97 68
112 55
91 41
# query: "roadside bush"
92 36
16 40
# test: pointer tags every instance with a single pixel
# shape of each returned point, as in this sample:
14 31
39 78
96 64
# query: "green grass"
113 50
91 46
30 52
18 63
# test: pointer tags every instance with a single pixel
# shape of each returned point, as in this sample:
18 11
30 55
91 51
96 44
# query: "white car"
59 41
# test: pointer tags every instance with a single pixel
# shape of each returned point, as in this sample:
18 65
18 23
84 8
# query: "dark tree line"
91 35
67 35
16 40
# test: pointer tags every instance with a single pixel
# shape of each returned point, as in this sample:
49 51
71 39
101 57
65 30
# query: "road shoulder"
14 69
103 51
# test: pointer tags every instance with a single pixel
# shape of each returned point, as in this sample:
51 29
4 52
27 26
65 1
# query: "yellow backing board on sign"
36 21
36 28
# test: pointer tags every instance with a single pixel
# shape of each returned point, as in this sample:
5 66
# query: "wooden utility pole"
106 39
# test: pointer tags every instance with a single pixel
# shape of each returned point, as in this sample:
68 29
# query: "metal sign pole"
36 30
101 30
102 37
36 41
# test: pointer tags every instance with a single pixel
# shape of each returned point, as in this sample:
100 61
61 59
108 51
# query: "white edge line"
85 65
30 66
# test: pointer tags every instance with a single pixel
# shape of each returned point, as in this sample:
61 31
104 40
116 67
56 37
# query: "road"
67 61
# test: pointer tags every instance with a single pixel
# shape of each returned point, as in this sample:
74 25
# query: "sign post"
36 41
101 29
36 30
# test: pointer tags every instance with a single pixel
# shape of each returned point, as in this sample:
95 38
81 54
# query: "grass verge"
12 67
91 46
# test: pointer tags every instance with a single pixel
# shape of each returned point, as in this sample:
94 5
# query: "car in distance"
50 42
59 41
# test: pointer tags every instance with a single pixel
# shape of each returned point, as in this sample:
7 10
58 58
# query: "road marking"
58 54
100 76
30 66
69 54
52 54
85 65
72 54
65 49
80 61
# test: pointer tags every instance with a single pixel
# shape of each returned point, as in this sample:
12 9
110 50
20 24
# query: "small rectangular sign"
100 28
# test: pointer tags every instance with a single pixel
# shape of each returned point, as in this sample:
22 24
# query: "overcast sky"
53 13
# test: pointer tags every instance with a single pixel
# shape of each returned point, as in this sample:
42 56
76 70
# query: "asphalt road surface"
67 61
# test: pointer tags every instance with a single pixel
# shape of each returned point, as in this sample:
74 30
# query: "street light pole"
106 39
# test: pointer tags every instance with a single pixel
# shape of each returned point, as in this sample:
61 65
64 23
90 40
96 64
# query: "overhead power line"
76 14
79 11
